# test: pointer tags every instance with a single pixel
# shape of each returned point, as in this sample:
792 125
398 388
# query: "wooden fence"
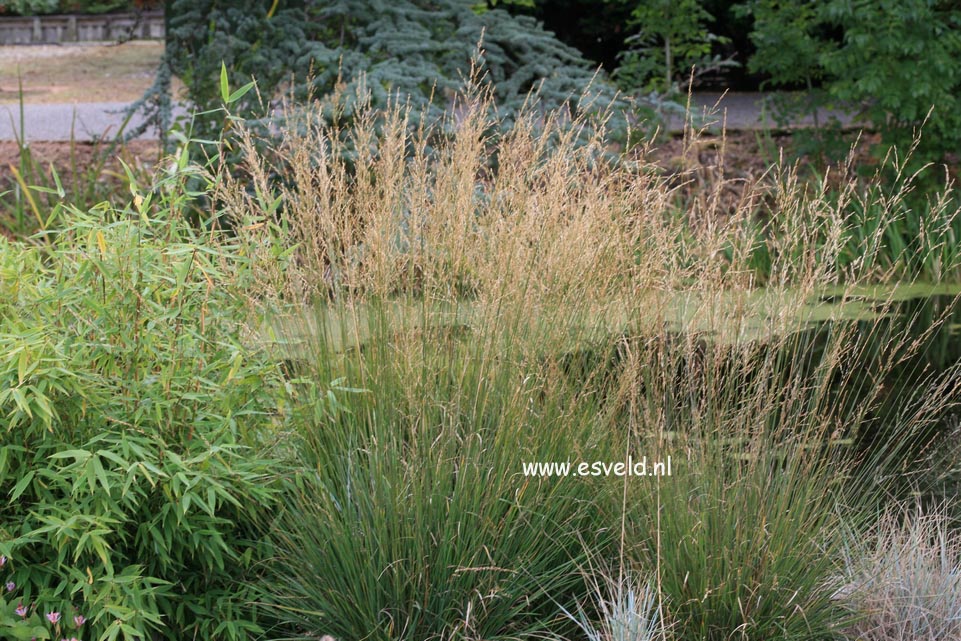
87 28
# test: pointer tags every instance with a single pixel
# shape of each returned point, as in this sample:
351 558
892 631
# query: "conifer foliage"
412 46
417 48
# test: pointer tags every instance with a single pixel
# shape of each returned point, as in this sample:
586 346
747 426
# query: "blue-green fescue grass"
624 606
449 321
904 578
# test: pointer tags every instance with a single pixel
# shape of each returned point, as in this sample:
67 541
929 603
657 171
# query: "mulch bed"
82 154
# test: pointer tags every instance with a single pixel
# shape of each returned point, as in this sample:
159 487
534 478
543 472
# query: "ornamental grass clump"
411 518
904 580
457 302
624 607
777 445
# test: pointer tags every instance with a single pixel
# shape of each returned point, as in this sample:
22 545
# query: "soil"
708 168
79 160
59 153
739 157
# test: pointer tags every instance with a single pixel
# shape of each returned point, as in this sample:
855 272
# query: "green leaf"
21 401
224 83
21 487
240 93
79 456
113 456
101 474
211 501
23 363
56 179
23 632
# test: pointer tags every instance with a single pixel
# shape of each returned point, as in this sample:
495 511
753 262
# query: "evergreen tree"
414 47
671 38
417 49
248 36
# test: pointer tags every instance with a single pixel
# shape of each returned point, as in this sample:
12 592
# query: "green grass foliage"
316 421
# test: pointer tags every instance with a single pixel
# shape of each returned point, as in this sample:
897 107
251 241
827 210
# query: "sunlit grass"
455 304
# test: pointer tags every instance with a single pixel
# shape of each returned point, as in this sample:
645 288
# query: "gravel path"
82 121
11 55
88 121
746 111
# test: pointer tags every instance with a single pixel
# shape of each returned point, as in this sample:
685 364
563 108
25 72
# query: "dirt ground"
75 164
60 153
85 72
743 157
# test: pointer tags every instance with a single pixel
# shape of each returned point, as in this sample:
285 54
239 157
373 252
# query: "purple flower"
79 620
53 617
73 639
3 561
11 586
21 610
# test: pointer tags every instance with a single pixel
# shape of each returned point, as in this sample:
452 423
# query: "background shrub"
891 62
